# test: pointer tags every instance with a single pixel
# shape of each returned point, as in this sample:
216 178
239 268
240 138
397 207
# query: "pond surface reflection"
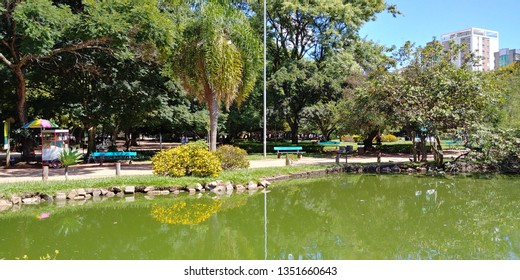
336 217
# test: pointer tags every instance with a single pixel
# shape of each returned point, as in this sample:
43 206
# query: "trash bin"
11 162
360 149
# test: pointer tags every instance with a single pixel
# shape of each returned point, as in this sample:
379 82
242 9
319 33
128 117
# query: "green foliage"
232 157
430 96
42 25
508 81
495 145
324 116
192 159
70 157
389 138
34 33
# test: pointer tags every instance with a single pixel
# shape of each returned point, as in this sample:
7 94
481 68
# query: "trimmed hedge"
258 147
399 148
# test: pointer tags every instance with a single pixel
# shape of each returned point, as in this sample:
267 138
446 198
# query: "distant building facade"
506 56
483 43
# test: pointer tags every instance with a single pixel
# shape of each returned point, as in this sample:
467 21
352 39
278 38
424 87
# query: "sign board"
6 135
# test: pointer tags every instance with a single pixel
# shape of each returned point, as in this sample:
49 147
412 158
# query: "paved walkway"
93 170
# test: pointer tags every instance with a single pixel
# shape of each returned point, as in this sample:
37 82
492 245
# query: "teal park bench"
331 143
289 149
451 144
102 156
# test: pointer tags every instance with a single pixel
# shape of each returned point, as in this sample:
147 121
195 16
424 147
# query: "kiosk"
54 141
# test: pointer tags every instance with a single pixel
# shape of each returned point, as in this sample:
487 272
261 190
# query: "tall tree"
321 33
38 30
432 95
218 58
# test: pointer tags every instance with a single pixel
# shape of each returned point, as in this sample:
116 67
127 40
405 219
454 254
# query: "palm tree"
69 157
218 58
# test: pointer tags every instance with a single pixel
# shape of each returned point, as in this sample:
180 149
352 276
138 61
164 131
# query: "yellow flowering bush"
192 159
232 157
186 212
389 138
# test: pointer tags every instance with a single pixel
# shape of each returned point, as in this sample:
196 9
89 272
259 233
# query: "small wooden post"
45 173
287 160
379 157
346 157
337 158
118 169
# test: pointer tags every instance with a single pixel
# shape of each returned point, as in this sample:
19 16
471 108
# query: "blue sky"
424 19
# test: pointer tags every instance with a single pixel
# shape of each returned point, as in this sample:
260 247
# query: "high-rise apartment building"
505 57
483 43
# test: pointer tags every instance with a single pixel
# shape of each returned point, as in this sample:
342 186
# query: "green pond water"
340 217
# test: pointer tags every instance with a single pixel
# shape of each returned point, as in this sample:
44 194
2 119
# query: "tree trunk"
21 94
21 109
414 145
213 120
128 141
424 153
437 149
368 141
91 139
66 173
294 131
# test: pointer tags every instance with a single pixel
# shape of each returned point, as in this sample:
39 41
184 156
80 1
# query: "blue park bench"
451 144
289 149
102 156
330 143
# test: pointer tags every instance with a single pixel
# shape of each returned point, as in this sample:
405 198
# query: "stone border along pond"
218 186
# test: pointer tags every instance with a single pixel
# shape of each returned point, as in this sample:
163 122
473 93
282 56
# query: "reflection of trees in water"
383 217
186 212
344 217
69 224
225 234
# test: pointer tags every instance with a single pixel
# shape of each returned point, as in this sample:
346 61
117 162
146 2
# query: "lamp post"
265 79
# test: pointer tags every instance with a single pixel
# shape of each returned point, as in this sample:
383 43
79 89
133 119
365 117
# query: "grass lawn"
235 176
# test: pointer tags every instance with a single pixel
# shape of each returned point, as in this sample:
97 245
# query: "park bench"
452 144
102 156
289 149
331 143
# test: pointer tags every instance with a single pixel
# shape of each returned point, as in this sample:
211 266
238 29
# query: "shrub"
357 138
232 157
346 138
389 138
192 159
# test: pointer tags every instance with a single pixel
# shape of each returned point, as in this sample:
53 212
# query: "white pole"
265 79
265 224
